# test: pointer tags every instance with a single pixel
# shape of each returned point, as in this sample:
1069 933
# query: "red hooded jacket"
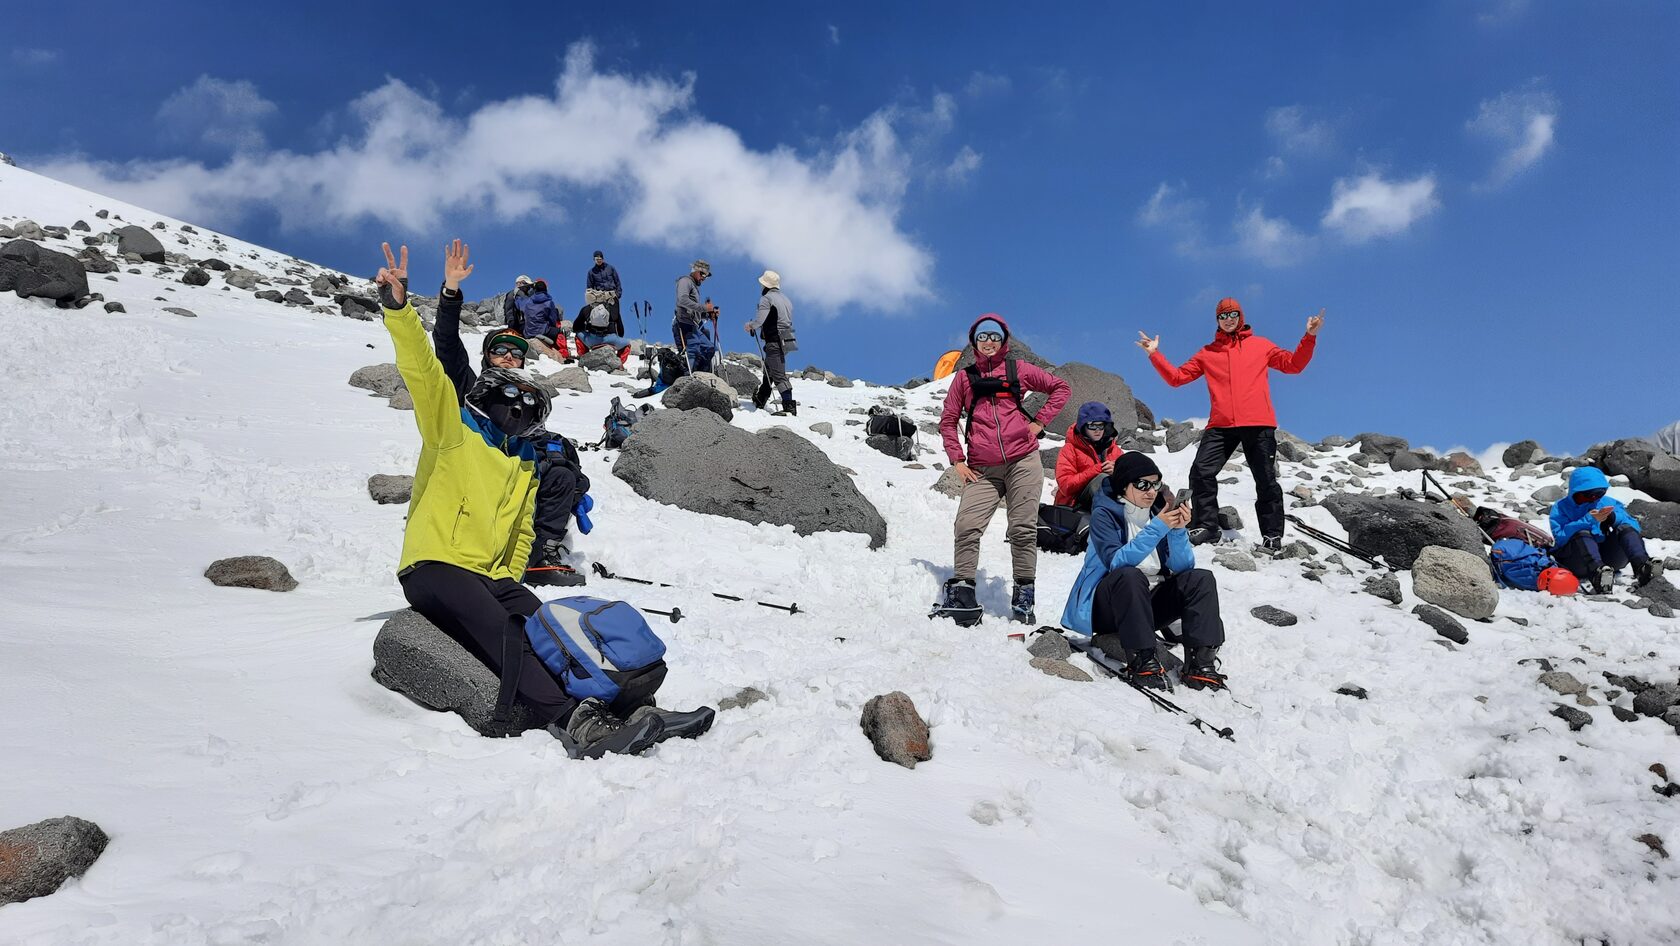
998 432
1236 366
1077 464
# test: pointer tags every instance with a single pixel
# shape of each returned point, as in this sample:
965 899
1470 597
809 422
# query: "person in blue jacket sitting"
1593 535
1140 576
542 327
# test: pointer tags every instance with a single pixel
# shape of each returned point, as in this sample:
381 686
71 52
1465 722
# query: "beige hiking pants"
1019 486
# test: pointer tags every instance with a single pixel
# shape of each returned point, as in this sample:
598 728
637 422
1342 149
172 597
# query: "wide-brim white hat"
771 279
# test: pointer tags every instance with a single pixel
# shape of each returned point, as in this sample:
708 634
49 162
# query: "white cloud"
1275 168
1369 206
1273 241
1500 12
827 222
1296 132
217 112
1179 215
1523 123
833 35
964 164
24 56
981 84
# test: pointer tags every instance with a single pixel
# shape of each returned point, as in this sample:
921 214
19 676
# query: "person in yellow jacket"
469 528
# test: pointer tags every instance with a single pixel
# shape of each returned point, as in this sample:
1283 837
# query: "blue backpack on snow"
599 648
1516 564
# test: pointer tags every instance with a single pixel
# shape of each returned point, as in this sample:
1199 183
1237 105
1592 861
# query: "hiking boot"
1144 669
960 604
551 568
593 731
1021 605
1204 536
1271 545
1201 669
1604 581
1646 572
689 725
788 409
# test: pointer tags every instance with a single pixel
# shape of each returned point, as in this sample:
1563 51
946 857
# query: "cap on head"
1133 466
523 280
599 255
989 324
1227 304
509 338
702 267
771 279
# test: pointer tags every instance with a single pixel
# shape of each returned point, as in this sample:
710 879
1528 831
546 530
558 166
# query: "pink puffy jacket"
999 433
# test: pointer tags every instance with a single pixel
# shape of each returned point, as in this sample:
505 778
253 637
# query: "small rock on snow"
896 729
251 571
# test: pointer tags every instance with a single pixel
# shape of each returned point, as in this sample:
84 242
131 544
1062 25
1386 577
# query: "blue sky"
1483 195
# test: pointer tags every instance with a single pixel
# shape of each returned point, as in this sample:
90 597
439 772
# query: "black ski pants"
1259 446
1585 553
488 618
559 487
1124 606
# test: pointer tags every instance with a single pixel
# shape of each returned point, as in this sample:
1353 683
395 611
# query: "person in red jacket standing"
1000 464
1236 363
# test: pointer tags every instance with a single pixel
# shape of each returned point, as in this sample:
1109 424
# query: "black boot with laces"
1201 669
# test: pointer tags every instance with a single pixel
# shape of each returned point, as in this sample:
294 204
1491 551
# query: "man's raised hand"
1315 322
455 265
393 278
1148 344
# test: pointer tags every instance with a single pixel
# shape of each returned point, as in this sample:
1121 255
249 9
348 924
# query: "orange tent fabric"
947 364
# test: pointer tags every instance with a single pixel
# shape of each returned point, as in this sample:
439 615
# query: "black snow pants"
1259 446
1125 610
560 486
488 618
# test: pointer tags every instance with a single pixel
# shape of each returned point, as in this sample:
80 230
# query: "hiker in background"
1140 576
599 324
461 571
562 486
1087 456
1594 536
511 316
997 457
603 278
542 326
773 326
1236 363
692 317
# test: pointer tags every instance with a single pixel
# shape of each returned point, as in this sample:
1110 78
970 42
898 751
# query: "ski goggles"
514 392
504 350
1228 315
1147 486
989 337
1590 496
1096 427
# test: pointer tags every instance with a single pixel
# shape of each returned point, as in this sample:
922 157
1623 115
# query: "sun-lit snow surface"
258 786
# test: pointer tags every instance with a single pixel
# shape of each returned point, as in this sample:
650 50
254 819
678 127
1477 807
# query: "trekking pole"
604 572
675 614
1339 545
1429 480
1223 732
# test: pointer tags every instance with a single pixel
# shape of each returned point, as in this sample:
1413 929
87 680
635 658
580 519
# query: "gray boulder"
1182 435
386 488
270 295
140 242
402 401
742 699
1276 617
251 571
1444 624
1089 384
195 277
1521 452
1235 559
36 859
1380 445
739 377
602 358
241 279
28 230
1456 580
1460 463
1050 645
1656 520
1548 494
356 307
36 273
413 657
1292 451
949 483
569 378
115 307
325 284
215 264
1405 461
183 313
839 381
1646 466
1399 529
383 380
96 262
1057 667
896 729
298 297
1384 586
701 391
694 460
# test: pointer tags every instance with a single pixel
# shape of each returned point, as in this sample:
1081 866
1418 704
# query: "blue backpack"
1516 564
599 648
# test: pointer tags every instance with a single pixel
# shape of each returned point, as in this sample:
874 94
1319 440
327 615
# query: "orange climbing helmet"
1559 581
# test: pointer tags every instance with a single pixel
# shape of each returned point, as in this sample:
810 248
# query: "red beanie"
1227 304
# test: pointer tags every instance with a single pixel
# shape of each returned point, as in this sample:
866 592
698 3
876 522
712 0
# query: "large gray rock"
1406 461
413 657
1548 494
1380 445
739 377
1456 580
1646 466
95 261
1089 384
603 358
1399 529
401 401
1521 452
383 380
1293 451
37 859
139 241
36 273
1459 463
703 391
241 278
28 230
387 488
298 297
696 461
1656 520
195 277
569 378
1182 435
251 571
896 729
356 307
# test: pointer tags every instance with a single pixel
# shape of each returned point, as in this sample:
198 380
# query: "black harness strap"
1010 388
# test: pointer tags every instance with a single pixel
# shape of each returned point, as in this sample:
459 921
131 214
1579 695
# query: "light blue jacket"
1112 547
1570 517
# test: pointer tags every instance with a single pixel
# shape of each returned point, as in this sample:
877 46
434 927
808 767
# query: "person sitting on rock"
1497 525
773 326
1237 364
1140 576
599 324
997 458
542 326
1086 456
469 522
694 319
562 488
1595 536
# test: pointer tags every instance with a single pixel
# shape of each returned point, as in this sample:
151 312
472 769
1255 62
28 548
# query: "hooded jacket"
1112 546
542 316
1236 367
475 489
1078 463
999 431
1570 518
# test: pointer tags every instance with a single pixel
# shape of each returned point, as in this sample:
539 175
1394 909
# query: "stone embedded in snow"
195 277
1456 580
413 657
36 273
251 571
1408 461
1380 446
183 313
1574 717
1230 518
137 240
1654 701
602 358
356 307
1548 494
737 376
839 381
896 729
36 859
1051 645
696 461
270 295
743 699
1057 667
1462 464
1399 529
1233 558
1647 467
569 378
114 307
1089 384
1560 682
1357 692
823 427
1444 624
215 264
241 278
701 391
383 380
1276 617
1292 451
1182 435
386 488
298 297
950 483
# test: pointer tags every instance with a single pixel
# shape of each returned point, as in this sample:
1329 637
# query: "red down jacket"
999 433
1236 367
1077 464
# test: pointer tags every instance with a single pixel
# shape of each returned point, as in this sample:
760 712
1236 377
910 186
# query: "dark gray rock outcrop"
36 273
139 241
413 657
1398 529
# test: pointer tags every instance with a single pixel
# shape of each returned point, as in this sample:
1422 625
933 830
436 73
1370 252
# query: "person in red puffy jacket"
1237 364
1087 456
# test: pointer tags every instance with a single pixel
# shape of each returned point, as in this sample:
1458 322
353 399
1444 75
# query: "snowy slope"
258 786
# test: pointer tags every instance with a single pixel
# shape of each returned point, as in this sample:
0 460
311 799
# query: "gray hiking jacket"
774 320
690 311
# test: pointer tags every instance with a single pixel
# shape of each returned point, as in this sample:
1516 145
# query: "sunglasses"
1147 486
989 337
1590 496
1228 315
1096 426
514 392
502 351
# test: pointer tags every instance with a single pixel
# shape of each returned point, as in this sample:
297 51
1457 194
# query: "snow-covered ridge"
258 786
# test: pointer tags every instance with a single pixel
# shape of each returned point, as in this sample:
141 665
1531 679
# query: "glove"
581 511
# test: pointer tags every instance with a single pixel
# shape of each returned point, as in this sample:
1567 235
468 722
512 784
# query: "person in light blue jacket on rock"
1593 535
1140 576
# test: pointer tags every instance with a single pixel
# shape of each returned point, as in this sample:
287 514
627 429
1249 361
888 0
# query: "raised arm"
1175 376
446 331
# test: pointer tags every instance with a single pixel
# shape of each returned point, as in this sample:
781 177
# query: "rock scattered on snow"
38 858
743 699
701 391
1559 681
1444 624
1357 692
251 571
569 378
1456 580
1399 529
402 401
1576 719
140 242
1051 645
1521 452
383 380
1276 617
1056 667
737 376
896 729
183 313
603 358
1384 586
1233 558
386 488
413 657
823 427
1380 446
36 273
950 483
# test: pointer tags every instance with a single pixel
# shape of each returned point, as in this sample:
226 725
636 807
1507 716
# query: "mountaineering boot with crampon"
593 731
690 725
551 568
1271 545
1605 580
1201 669
1144 669
1204 536
1646 572
960 604
1021 605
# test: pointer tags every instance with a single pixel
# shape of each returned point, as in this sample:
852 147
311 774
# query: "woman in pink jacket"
997 458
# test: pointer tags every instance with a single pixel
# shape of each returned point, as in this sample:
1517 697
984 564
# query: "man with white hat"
692 315
773 325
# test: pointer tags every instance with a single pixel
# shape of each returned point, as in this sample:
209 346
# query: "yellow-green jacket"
475 487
